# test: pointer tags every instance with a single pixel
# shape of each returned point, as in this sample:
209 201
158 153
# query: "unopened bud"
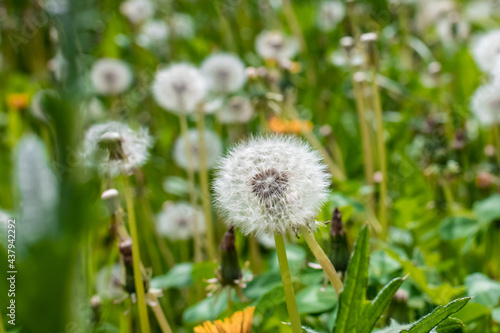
230 268
339 248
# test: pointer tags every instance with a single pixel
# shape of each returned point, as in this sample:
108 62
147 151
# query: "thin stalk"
448 195
286 278
255 257
136 258
365 138
90 264
160 317
496 141
323 260
205 188
377 106
191 185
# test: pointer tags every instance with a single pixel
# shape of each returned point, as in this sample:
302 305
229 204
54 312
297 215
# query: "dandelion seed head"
182 25
237 109
153 32
486 50
213 146
485 104
179 88
275 45
330 14
110 76
114 148
110 282
273 184
137 11
177 221
224 72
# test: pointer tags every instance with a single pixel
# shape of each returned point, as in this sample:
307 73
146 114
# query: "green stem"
377 106
2 327
323 260
286 278
191 185
255 257
160 317
205 188
136 258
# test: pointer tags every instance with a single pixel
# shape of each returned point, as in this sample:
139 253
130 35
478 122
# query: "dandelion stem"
160 317
286 278
323 260
191 184
205 188
377 106
136 258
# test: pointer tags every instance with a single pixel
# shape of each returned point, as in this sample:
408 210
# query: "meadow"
237 166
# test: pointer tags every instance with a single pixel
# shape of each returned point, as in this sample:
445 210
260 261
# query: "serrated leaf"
353 294
374 310
427 323
449 325
177 277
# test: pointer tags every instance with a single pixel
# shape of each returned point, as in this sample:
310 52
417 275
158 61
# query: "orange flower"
240 322
294 126
18 101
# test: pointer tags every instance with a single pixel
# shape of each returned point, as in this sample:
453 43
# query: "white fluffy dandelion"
224 72
153 32
179 88
485 104
182 25
275 45
177 221
237 109
330 14
213 149
137 11
272 184
114 148
110 76
486 50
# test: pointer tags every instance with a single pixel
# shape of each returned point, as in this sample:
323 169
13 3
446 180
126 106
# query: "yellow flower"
294 126
240 322
18 101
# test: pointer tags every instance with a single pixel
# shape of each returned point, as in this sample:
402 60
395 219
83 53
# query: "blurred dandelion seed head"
213 146
179 88
274 45
110 76
153 33
137 11
237 109
273 184
224 72
486 50
114 148
177 221
485 104
330 14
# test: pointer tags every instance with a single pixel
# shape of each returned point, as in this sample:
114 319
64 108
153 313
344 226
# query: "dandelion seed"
236 110
485 104
178 221
330 14
114 148
182 25
137 11
486 50
154 32
225 72
179 88
276 46
272 184
213 149
110 76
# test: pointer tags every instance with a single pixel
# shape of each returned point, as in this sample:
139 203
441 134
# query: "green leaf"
488 209
484 290
450 325
354 292
179 276
427 323
456 227
262 285
495 314
271 299
374 310
316 299
203 271
296 258
207 309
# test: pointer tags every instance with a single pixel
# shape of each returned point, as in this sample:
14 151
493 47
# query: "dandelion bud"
370 41
339 248
229 268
